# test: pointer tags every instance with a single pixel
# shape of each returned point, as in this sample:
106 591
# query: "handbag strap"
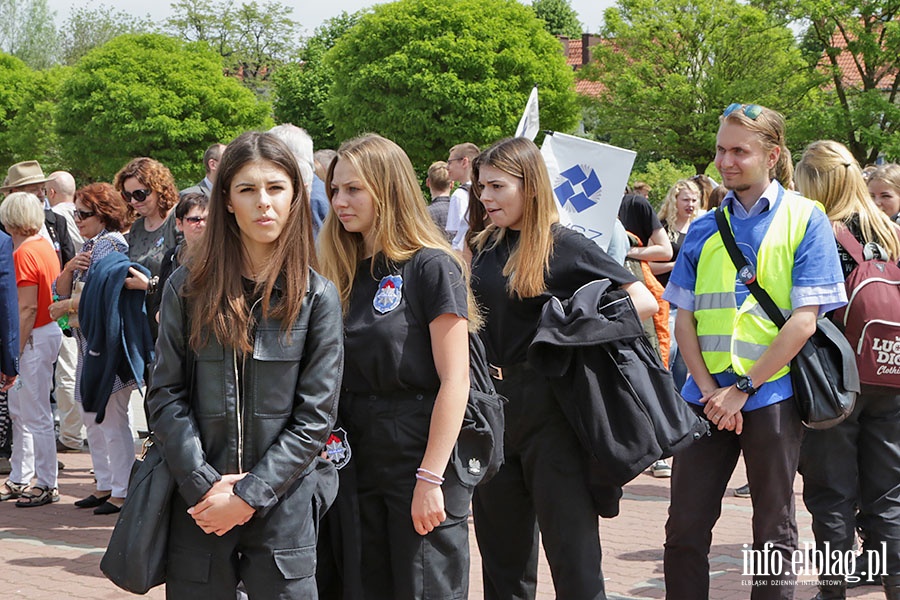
746 273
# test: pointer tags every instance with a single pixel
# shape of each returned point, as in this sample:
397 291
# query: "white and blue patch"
389 294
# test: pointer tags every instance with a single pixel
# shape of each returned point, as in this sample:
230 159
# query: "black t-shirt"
387 343
638 217
511 322
663 278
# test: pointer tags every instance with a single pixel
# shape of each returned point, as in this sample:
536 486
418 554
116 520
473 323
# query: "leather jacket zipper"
240 415
238 378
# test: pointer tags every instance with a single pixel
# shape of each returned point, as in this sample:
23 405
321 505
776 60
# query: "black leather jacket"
267 414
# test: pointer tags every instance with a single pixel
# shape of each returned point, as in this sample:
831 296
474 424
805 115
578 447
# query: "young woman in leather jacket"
244 391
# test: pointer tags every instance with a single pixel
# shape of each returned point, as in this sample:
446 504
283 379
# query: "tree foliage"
433 74
254 39
28 32
669 67
856 43
150 95
558 16
89 27
302 88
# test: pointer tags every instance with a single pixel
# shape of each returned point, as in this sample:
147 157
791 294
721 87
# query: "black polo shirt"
387 343
511 322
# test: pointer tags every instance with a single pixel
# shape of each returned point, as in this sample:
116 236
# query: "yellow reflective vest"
737 337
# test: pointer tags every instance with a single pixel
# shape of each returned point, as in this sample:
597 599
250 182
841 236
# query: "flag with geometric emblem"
588 180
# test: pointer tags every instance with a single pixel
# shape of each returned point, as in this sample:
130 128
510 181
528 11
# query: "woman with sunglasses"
149 188
190 219
244 389
100 215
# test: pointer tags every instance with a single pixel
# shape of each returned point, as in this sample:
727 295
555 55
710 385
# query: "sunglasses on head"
136 195
81 215
751 111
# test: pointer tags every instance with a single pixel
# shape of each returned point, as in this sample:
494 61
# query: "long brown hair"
526 268
214 286
402 224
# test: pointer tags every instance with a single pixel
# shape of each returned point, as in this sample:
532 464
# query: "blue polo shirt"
816 277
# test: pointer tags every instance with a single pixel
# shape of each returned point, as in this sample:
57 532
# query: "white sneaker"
661 469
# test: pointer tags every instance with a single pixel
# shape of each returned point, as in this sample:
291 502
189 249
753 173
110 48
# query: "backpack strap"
848 242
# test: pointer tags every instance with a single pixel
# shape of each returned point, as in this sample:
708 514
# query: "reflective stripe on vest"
737 337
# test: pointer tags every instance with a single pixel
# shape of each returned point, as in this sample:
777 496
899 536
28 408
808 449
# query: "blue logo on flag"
580 185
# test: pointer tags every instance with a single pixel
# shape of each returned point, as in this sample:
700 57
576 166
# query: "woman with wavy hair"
407 313
148 187
244 389
853 464
683 204
522 259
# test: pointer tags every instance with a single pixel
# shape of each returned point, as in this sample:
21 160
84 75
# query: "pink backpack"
871 318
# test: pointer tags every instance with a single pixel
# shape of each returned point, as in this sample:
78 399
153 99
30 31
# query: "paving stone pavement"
53 552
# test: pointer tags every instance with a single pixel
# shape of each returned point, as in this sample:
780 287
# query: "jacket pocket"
210 381
296 563
276 362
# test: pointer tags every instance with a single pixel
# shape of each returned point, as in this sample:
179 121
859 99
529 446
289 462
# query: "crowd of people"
302 325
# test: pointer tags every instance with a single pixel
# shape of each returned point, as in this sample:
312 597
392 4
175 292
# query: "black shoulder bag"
136 556
823 374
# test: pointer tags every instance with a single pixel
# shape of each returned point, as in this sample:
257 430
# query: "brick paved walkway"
53 552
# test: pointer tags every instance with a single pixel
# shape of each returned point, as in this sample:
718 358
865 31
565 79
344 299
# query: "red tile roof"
850 74
573 48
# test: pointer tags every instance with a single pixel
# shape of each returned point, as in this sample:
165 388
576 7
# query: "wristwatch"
745 384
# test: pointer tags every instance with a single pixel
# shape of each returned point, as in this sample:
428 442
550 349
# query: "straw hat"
22 174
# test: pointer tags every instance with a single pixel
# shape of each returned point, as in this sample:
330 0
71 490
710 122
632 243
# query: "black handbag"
823 374
135 559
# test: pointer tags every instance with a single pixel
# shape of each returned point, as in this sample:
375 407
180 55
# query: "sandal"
11 490
38 496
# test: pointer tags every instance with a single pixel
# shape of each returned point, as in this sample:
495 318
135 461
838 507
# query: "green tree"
856 43
670 67
15 80
150 95
253 39
558 16
28 32
429 75
302 88
89 27
31 133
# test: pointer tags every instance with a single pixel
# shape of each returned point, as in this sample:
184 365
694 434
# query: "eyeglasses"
450 160
81 215
136 195
195 220
751 111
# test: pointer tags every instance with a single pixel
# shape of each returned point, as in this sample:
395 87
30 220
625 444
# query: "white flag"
588 179
530 123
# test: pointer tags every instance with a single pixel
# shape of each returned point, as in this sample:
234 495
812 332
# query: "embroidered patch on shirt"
389 294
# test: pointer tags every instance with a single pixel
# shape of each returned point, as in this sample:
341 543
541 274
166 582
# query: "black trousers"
771 445
542 485
857 464
274 555
388 435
